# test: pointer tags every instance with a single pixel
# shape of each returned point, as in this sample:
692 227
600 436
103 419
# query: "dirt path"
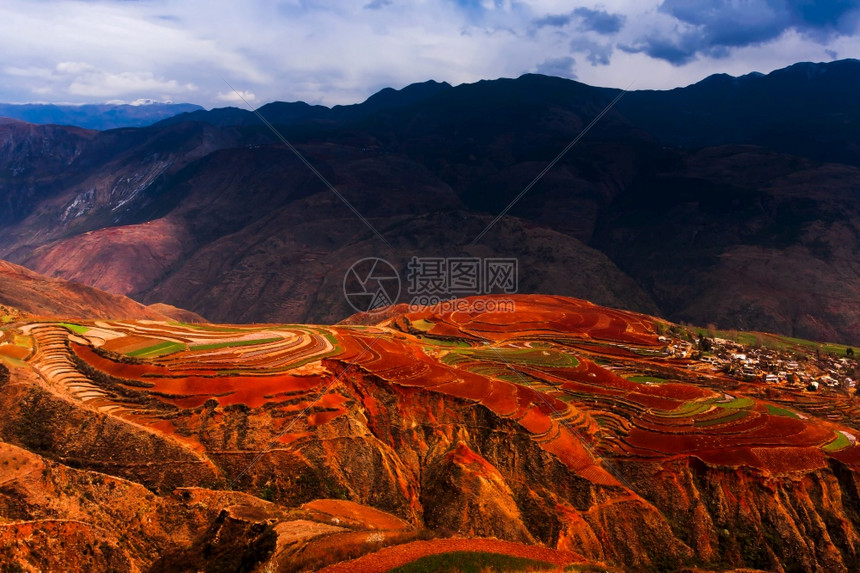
391 557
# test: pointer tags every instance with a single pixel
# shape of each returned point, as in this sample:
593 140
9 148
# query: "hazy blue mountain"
95 116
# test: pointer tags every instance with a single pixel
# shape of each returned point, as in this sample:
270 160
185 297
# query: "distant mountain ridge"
788 110
783 109
694 220
96 116
286 113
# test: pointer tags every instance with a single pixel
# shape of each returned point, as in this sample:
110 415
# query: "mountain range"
733 201
96 116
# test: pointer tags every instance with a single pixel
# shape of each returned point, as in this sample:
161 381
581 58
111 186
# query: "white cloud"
88 80
84 79
236 97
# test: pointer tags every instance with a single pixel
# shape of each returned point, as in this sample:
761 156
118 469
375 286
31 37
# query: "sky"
342 51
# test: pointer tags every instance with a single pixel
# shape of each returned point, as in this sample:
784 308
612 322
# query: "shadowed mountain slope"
719 216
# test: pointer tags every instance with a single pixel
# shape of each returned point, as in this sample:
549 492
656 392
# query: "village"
814 370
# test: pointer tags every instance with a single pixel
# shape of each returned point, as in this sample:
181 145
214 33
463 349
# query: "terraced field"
368 410
530 367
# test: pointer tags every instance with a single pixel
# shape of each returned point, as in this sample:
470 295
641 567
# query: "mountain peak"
413 93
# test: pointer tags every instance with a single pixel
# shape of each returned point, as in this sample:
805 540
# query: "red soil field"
12 351
128 343
391 557
354 514
537 314
555 403
192 391
538 404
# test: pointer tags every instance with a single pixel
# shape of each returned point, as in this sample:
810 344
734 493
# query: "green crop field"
839 443
160 349
644 379
472 562
525 356
686 410
444 341
228 344
737 403
76 328
730 417
422 325
777 411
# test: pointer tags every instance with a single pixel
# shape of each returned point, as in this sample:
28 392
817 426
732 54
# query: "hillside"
41 296
707 218
551 423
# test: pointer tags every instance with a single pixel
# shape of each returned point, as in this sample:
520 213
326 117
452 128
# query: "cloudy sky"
341 51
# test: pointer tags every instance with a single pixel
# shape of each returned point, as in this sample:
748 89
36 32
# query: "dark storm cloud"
671 50
765 18
554 21
833 15
598 21
712 27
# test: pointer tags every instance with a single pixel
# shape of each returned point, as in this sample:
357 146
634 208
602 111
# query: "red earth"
510 362
391 557
534 425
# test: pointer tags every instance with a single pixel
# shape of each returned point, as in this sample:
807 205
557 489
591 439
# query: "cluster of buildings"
769 365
